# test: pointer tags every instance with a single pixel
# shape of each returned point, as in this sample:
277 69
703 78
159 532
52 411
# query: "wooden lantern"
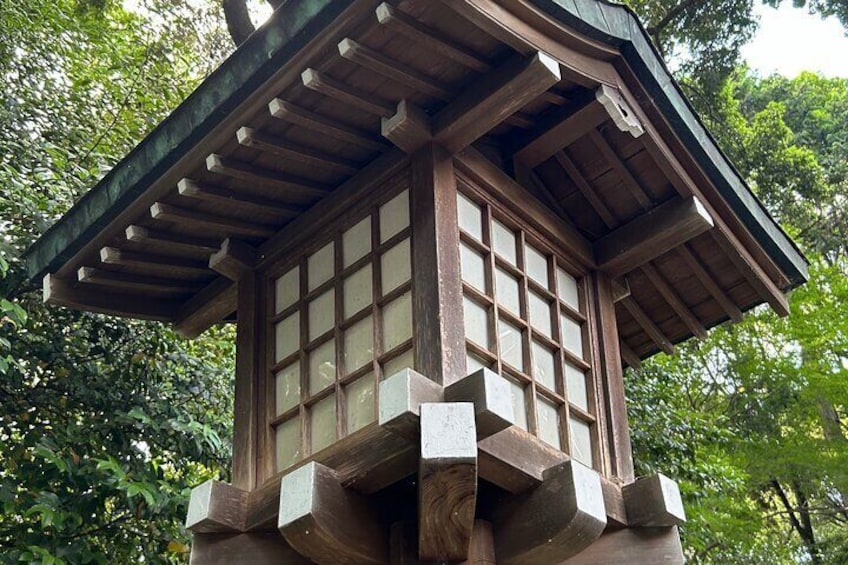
444 228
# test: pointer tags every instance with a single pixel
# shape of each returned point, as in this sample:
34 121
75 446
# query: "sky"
790 40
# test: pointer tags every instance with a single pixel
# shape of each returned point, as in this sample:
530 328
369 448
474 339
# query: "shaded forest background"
106 424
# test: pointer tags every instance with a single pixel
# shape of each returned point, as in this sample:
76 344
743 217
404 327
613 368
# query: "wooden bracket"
555 521
328 523
654 502
234 259
400 398
447 481
216 507
622 115
633 546
409 128
492 398
207 308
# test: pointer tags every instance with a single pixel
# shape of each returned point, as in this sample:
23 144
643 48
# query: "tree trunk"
238 20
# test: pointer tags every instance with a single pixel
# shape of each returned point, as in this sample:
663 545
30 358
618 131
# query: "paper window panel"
536 265
508 291
567 289
287 337
519 406
396 266
322 314
581 441
547 421
575 383
287 388
358 291
476 319
405 360
473 267
470 217
359 398
504 242
320 266
359 344
322 367
394 216
572 335
356 242
544 366
322 423
287 289
287 443
397 322
540 314
511 343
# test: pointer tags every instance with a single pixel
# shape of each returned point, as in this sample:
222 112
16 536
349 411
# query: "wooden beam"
247 203
216 507
141 283
633 546
528 178
391 69
629 356
650 235
654 502
290 185
275 145
326 522
317 123
447 481
206 308
430 37
490 100
400 398
560 130
627 179
730 308
648 325
152 264
234 259
620 289
409 129
515 460
203 221
61 292
344 94
256 548
555 521
248 376
491 395
588 192
171 242
670 296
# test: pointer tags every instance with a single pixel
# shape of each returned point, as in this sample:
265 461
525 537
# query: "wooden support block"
636 546
216 507
555 521
493 98
516 460
328 523
409 129
614 504
298 116
258 548
654 502
125 281
211 222
400 398
328 86
280 147
652 234
557 132
61 292
491 396
206 308
169 242
234 259
289 184
447 481
482 550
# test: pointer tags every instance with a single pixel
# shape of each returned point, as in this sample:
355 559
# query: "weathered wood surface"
400 398
245 404
633 546
654 501
491 396
206 308
216 507
234 259
259 548
61 292
560 130
409 129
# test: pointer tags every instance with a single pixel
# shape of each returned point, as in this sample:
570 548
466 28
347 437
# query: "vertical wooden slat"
245 427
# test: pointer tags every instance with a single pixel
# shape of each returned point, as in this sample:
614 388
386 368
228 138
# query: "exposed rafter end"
409 129
61 292
293 114
290 184
280 147
654 502
216 507
332 88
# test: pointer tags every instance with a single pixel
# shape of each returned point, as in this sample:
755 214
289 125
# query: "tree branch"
238 20
656 29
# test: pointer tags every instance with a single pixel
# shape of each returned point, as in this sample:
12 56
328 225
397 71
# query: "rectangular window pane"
322 314
287 387
473 267
548 422
572 336
359 344
322 367
397 322
511 344
575 382
356 242
322 423
357 291
536 265
360 402
287 289
396 364
320 266
476 322
474 363
567 289
287 442
503 240
287 337
395 266
544 366
507 291
394 216
581 441
540 314
519 408
470 217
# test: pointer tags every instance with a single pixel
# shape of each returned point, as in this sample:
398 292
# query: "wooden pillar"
246 407
439 335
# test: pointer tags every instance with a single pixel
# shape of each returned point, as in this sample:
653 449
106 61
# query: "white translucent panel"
394 216
581 441
575 386
360 402
287 387
322 423
572 336
476 322
395 266
357 291
544 366
567 289
475 363
320 266
287 337
507 291
359 344
287 289
473 267
394 365
504 242
397 322
322 314
287 443
511 346
322 367
356 242
536 265
519 407
540 314
547 422
470 217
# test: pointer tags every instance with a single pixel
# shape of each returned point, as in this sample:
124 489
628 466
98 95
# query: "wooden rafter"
280 147
317 123
204 221
61 292
648 325
288 184
629 356
731 309
119 280
247 203
560 130
168 242
588 192
620 168
674 300
330 87
153 264
206 308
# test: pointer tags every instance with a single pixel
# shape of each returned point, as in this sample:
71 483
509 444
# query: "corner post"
246 417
